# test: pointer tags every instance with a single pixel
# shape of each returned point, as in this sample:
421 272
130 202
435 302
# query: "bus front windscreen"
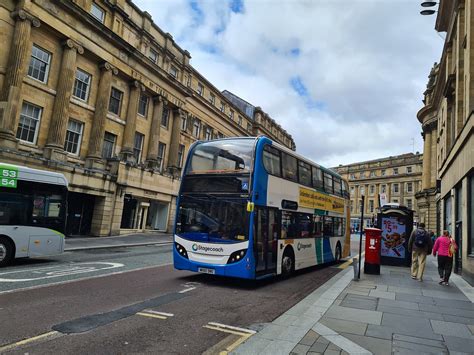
217 220
222 156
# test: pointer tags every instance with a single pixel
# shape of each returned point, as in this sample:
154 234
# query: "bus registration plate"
205 270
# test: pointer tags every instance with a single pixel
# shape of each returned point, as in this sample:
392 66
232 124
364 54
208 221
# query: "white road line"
159 313
150 315
80 279
225 326
187 290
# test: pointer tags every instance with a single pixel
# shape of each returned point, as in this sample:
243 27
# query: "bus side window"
318 226
328 226
317 178
289 164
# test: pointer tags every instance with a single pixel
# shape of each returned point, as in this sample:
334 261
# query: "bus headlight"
181 250
236 256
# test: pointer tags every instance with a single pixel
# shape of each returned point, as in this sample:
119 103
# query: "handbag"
452 248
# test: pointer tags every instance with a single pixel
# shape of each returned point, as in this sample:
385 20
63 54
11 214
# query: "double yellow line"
243 334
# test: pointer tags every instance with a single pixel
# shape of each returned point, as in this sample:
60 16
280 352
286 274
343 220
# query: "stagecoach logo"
303 246
206 249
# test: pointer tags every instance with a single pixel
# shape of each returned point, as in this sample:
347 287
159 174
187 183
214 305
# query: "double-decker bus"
32 212
251 208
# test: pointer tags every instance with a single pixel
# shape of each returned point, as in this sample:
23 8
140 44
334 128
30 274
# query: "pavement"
136 239
380 314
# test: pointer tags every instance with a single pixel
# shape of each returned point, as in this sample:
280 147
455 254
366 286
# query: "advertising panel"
393 237
316 200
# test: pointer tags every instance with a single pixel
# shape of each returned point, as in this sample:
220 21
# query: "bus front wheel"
287 264
6 251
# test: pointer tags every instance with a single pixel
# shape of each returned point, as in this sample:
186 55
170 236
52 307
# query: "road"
144 306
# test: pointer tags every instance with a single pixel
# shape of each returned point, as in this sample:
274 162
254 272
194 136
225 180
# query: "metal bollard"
355 266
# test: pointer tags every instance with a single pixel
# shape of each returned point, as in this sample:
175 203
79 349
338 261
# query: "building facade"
447 197
394 179
97 91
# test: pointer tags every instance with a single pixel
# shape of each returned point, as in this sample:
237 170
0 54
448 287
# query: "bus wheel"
287 264
6 251
338 254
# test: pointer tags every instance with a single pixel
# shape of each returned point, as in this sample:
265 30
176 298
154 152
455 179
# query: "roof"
36 175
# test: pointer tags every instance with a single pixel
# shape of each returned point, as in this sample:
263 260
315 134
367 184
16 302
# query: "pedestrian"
420 246
445 247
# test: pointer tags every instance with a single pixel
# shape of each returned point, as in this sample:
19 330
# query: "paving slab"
447 310
468 305
300 349
410 313
359 304
405 290
357 315
459 344
451 329
416 340
399 304
401 346
451 295
318 347
344 326
457 319
293 334
255 346
271 331
310 338
414 298
278 347
382 294
374 345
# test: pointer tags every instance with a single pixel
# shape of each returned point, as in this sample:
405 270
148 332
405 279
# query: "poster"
393 237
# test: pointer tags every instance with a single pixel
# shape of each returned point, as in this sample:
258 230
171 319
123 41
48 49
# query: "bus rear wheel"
6 251
338 253
287 265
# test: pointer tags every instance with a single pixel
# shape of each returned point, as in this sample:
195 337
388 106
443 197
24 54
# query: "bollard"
355 265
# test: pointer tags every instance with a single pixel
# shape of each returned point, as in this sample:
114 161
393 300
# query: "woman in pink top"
445 257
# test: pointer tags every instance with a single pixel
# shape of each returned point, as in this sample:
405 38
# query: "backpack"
420 238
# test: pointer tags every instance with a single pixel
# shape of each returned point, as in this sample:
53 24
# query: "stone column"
54 148
129 133
152 156
175 115
19 53
426 176
96 139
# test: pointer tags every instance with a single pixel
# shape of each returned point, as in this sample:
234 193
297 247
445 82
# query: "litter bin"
373 238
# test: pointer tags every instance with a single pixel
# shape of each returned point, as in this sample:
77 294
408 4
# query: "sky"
344 78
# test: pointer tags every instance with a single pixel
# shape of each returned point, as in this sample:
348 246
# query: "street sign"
8 176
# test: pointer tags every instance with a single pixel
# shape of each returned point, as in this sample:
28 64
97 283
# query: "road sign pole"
361 231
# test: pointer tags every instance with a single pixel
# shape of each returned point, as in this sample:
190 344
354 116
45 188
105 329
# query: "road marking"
151 315
242 332
159 313
187 290
349 262
52 334
81 279
59 271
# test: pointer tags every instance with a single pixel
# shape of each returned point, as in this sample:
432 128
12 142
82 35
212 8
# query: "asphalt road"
117 313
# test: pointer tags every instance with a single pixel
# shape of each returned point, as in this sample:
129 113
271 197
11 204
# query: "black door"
267 232
79 214
458 254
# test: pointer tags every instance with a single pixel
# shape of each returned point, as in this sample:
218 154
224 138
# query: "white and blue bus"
251 208
32 212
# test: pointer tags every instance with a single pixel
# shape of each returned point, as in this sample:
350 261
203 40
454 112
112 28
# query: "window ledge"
39 85
82 104
115 118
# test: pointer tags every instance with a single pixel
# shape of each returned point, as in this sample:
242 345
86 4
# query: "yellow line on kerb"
27 341
349 262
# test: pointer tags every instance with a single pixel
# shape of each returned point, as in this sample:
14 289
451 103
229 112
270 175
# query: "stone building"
446 200
97 91
394 179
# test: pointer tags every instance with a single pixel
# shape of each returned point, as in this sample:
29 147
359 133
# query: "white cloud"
366 62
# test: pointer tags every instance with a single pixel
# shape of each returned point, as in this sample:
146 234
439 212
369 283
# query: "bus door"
267 232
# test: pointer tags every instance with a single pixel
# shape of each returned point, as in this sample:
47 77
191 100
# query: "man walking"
420 246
